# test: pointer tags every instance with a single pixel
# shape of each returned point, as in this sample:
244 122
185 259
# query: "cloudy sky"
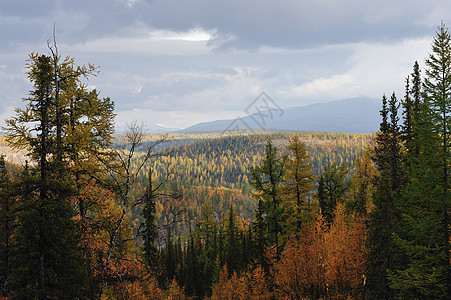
179 62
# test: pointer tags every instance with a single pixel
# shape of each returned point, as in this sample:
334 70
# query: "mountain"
353 115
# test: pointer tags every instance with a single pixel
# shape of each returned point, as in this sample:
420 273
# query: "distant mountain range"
353 115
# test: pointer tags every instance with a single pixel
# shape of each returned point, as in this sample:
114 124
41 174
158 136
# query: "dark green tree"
333 188
424 236
385 218
266 180
66 129
150 229
232 242
6 227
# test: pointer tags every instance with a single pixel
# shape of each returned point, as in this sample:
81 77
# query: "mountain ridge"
350 115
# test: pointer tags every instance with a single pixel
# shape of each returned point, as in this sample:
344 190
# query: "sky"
176 63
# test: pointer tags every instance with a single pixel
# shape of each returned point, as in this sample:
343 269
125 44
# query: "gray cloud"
300 52
252 23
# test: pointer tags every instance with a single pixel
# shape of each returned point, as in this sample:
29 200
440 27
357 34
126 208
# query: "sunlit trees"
46 232
298 185
363 183
325 262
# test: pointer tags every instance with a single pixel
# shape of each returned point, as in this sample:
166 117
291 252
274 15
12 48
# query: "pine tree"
416 102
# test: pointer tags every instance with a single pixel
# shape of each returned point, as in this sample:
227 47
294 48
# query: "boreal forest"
89 214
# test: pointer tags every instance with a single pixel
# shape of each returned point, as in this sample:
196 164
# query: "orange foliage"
145 289
229 288
175 292
325 262
259 287
346 255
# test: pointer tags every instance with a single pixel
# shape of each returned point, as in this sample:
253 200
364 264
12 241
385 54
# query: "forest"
87 214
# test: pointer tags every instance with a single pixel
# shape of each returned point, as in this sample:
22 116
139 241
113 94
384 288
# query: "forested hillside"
93 215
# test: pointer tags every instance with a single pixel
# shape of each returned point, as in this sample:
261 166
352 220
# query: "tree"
363 183
47 234
150 232
424 239
325 261
232 243
437 89
385 218
6 227
298 184
266 180
332 188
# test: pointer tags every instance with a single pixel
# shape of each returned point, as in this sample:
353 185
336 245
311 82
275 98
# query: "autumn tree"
325 261
46 230
363 183
298 185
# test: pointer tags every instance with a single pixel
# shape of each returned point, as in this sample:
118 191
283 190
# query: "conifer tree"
66 129
363 183
47 235
298 184
385 218
6 227
232 242
332 188
149 233
424 236
266 180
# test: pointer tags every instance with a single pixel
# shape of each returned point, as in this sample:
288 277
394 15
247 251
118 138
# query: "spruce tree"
266 180
6 227
424 238
332 189
385 218
65 128
232 242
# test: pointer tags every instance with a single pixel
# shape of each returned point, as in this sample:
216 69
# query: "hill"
353 115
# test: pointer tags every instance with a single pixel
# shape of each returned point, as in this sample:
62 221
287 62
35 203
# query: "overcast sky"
179 62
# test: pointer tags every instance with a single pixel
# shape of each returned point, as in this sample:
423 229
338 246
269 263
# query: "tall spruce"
266 180
424 238
385 218
6 227
47 234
